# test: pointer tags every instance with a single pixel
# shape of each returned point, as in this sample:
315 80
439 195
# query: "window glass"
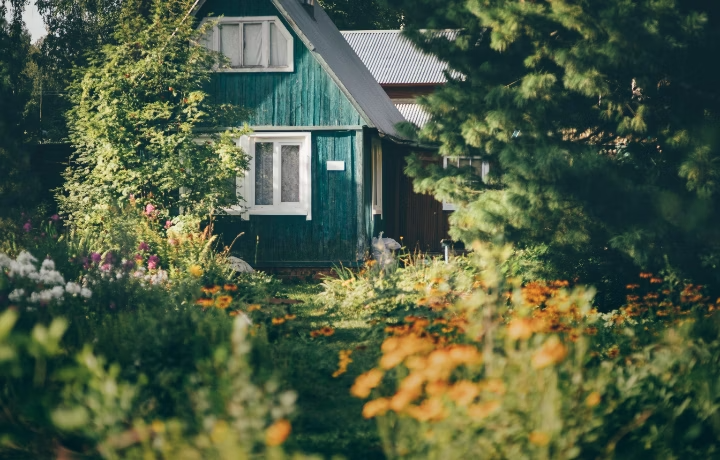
278 47
230 42
264 173
252 39
464 162
290 174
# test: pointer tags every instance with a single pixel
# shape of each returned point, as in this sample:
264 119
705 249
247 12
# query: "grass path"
329 420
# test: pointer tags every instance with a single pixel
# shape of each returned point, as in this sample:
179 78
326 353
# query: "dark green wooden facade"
308 97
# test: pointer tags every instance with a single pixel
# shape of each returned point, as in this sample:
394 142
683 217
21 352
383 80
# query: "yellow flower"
551 352
277 433
223 301
157 426
196 271
219 432
539 438
593 399
364 383
375 407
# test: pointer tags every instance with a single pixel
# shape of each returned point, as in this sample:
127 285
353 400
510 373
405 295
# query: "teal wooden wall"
338 231
306 97
332 234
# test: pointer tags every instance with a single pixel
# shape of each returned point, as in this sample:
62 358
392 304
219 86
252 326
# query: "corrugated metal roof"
413 113
393 59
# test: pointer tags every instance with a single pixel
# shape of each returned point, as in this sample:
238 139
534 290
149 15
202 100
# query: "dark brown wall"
419 219
408 91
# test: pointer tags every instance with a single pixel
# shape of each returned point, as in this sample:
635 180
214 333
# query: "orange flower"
464 354
496 386
539 438
230 287
613 351
430 409
646 275
223 301
253 307
211 289
364 383
402 398
290 317
436 388
277 321
375 407
277 433
551 352
656 280
483 410
234 313
593 399
463 392
520 329
205 302
327 331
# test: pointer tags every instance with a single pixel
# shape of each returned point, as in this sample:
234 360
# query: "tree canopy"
136 110
599 118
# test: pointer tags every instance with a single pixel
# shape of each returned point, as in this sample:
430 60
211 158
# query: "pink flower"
144 246
168 224
27 227
54 218
173 242
153 262
149 209
106 268
95 257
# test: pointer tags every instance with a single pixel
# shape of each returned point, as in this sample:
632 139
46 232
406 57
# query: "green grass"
329 420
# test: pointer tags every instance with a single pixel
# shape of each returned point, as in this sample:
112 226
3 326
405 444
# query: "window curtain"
278 47
252 40
230 43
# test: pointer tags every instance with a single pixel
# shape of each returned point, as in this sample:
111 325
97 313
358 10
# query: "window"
252 44
278 180
482 169
376 152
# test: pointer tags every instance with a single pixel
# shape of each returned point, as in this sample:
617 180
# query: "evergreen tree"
136 111
600 119
364 15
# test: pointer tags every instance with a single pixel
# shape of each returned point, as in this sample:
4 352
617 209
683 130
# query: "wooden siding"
418 218
332 236
306 97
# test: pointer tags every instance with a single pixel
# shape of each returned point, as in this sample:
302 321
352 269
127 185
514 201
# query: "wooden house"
322 129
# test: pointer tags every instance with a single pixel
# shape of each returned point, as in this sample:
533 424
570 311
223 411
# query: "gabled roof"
335 55
395 60
414 113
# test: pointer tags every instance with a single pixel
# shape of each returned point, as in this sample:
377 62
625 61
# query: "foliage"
136 110
534 371
367 15
599 120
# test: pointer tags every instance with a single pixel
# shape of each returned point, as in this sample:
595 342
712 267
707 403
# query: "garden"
581 319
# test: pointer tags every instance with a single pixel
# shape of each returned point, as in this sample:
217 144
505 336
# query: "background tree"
600 120
136 108
365 15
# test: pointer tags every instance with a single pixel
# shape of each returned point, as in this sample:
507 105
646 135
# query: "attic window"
252 44
480 167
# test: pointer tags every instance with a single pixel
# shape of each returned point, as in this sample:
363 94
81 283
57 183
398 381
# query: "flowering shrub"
533 371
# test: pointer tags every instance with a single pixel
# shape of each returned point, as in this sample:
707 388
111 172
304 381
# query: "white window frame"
265 21
484 171
246 183
377 175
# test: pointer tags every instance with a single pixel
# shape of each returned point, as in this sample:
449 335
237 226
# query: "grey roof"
327 44
413 113
393 59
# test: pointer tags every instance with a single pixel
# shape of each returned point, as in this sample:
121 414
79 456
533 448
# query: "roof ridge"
386 31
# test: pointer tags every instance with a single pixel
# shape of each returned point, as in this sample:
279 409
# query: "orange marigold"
223 301
376 407
593 399
277 321
277 433
364 383
463 392
230 287
205 302
211 289
551 352
520 329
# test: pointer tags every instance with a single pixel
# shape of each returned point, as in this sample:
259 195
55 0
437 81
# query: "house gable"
308 96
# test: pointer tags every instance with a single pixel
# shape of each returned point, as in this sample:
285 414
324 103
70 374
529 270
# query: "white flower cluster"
55 288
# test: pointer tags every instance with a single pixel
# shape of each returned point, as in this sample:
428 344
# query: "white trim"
246 184
484 171
265 21
377 176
